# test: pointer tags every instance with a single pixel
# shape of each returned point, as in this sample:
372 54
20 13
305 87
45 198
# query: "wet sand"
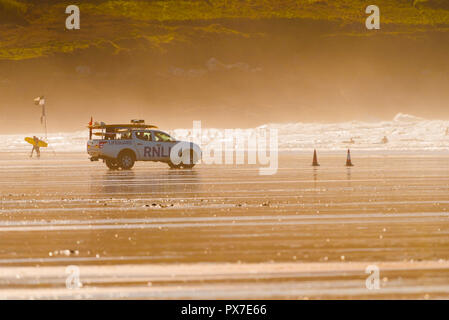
225 232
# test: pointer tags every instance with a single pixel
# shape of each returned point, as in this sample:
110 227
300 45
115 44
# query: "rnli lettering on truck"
156 151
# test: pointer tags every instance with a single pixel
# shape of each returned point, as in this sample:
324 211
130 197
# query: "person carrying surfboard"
37 144
36 147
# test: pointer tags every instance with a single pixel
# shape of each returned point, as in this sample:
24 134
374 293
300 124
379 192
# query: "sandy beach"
225 232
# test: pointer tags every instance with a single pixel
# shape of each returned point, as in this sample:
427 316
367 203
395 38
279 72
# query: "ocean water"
404 133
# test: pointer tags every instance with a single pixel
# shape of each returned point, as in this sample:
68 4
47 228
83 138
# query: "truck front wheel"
173 166
126 160
192 160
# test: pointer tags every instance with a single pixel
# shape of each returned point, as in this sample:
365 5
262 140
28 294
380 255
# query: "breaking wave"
404 133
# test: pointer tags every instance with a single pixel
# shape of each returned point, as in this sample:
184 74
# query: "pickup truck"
121 145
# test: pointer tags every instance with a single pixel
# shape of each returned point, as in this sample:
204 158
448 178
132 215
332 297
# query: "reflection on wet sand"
348 176
145 182
56 213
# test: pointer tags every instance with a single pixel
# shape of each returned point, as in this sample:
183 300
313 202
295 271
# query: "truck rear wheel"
112 164
126 160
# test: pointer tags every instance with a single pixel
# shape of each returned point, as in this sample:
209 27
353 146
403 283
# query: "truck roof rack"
122 126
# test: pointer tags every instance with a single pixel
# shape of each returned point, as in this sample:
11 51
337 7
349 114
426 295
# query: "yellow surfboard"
41 143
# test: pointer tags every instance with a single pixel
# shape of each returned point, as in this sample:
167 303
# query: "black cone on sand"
315 159
348 159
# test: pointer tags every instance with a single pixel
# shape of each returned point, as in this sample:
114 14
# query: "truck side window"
148 136
140 135
125 136
145 136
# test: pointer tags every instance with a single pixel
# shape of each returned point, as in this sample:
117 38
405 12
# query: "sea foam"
404 133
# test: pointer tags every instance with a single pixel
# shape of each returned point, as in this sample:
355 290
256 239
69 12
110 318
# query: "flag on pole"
91 122
40 101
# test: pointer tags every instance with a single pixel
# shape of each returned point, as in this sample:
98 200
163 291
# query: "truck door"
164 143
144 143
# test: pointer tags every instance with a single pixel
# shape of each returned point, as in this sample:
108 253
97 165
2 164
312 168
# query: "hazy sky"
245 74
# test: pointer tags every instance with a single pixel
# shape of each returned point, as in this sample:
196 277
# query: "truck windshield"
162 137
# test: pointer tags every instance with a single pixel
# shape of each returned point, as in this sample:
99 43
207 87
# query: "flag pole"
44 112
46 139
